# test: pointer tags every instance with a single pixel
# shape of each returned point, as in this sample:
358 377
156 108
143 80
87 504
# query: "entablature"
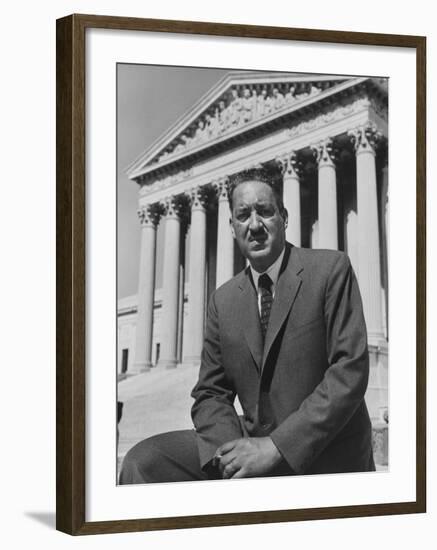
332 123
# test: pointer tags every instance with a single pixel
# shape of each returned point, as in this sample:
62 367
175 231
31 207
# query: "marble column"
385 210
314 235
327 203
384 216
369 267
170 287
351 238
179 350
291 196
197 273
225 241
149 217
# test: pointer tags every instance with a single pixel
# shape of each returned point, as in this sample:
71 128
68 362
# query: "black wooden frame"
71 246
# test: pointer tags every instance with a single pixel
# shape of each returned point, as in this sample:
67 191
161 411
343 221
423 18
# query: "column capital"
324 152
198 197
289 165
221 186
365 138
172 206
150 214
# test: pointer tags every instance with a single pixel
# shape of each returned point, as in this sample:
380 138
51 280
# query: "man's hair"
255 174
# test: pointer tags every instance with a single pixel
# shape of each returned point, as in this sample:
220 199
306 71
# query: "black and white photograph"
218 305
252 274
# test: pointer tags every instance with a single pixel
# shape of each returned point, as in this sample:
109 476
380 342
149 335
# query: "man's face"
257 225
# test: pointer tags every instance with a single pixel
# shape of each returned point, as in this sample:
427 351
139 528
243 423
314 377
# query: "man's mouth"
258 239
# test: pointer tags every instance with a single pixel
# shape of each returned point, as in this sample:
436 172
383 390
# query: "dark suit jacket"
305 388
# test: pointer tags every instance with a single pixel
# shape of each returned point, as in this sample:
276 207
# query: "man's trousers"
167 457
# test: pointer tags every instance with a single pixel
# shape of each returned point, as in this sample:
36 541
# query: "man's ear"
285 217
232 227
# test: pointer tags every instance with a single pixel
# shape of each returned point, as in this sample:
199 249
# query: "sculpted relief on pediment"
239 106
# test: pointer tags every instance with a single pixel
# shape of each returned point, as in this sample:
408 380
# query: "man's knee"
166 457
141 463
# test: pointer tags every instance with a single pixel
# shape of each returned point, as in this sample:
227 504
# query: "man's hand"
247 457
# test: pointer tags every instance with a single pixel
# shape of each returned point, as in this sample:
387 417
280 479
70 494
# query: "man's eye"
265 212
242 216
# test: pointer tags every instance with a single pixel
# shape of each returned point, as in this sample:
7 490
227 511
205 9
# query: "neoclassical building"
324 140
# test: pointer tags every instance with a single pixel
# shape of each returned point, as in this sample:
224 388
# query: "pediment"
238 102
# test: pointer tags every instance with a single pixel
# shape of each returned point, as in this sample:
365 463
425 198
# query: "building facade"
324 141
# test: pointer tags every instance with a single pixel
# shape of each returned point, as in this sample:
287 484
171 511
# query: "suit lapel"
287 287
249 319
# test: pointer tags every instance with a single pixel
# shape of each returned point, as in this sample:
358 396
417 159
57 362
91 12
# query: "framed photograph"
240 274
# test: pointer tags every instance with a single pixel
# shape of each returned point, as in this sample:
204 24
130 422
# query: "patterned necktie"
265 288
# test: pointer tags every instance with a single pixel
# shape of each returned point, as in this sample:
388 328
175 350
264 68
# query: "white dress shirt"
272 272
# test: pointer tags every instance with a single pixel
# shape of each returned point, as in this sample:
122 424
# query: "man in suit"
287 336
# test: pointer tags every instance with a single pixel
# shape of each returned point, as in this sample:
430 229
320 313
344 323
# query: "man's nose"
254 222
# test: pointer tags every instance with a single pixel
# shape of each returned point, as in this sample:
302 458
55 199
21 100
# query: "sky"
149 99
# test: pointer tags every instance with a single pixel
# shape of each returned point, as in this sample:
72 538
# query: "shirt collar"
272 271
